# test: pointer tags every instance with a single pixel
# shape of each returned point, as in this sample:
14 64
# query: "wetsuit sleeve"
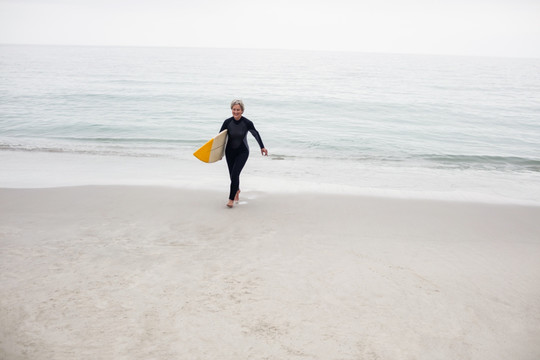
255 134
224 126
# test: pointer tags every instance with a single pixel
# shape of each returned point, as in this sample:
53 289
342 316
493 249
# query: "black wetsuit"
237 149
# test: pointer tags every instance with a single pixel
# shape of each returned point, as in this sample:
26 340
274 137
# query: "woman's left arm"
257 137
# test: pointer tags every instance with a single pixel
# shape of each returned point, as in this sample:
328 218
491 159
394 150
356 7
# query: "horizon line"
276 49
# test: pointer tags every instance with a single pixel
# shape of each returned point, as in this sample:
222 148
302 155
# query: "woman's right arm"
224 126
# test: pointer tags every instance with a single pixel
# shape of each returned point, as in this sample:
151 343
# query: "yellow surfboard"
213 150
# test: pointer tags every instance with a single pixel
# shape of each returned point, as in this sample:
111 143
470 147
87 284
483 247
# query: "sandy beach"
119 272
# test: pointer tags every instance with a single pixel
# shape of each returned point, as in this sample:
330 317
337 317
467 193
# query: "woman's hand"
264 152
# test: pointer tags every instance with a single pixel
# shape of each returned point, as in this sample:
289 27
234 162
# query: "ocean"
408 126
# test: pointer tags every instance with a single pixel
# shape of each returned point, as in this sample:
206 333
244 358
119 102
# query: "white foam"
36 169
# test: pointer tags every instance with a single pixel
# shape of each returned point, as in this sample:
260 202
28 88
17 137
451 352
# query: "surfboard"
213 150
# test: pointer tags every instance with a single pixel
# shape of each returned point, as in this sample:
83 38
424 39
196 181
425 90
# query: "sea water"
454 128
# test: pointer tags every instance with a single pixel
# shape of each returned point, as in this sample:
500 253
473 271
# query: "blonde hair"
238 102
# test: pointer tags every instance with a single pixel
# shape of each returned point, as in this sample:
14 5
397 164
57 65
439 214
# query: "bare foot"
237 197
230 204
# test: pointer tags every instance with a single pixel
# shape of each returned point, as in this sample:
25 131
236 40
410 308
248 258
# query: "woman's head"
238 102
237 107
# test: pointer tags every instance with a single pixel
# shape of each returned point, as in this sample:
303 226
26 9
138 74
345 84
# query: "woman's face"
237 112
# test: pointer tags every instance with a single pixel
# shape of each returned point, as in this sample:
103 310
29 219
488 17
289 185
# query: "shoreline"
252 193
50 170
146 271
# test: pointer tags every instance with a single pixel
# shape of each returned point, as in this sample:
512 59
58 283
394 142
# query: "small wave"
127 140
83 151
443 161
488 162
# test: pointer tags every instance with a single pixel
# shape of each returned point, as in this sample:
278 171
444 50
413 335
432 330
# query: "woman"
237 149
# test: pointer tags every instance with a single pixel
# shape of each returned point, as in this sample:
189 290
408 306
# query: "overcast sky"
457 27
